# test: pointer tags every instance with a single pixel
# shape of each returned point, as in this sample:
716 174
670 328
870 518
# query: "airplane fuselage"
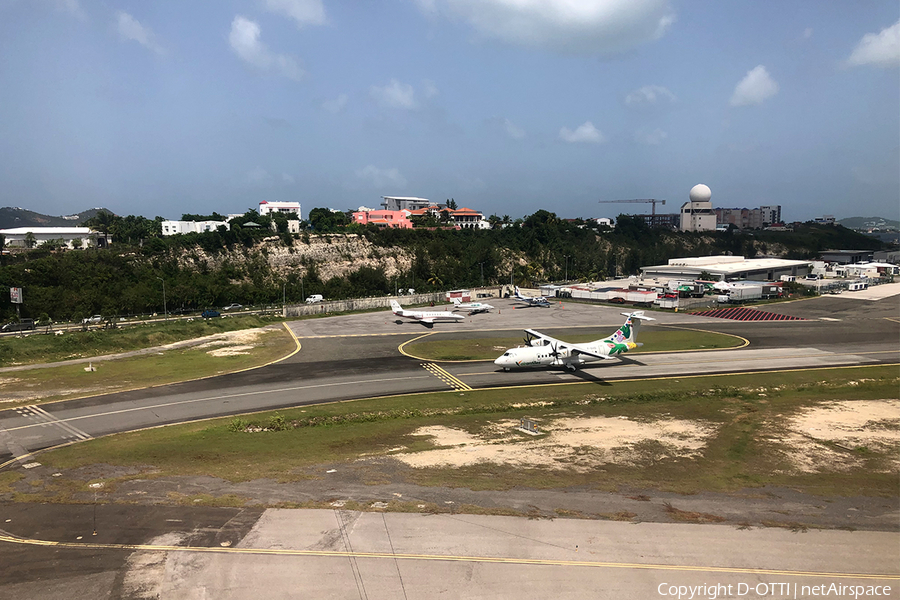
525 357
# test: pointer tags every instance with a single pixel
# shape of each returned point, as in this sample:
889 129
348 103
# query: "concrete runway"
357 356
199 553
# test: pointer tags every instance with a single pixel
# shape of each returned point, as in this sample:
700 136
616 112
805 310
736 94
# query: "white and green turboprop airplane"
545 351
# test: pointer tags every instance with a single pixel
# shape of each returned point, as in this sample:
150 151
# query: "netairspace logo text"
771 590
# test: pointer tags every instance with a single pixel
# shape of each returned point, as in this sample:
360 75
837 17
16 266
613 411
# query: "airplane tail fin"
518 293
627 333
395 306
456 301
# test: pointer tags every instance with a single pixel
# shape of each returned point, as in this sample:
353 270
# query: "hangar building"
727 268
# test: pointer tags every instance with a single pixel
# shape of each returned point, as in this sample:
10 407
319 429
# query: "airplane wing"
537 335
574 349
429 320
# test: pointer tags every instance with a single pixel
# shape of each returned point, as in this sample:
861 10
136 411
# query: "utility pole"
283 300
482 273
165 310
567 268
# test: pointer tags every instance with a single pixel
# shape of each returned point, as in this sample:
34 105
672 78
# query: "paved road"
357 356
185 553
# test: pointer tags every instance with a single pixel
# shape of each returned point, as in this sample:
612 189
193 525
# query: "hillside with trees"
253 264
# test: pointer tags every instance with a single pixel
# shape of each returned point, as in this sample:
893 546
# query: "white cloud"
244 40
880 49
73 7
305 12
755 88
130 28
649 94
381 178
513 130
586 132
258 175
651 138
429 88
337 105
604 26
395 95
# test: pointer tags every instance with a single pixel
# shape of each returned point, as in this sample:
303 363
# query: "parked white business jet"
545 351
429 317
531 300
473 307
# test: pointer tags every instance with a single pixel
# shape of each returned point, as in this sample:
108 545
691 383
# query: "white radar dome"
700 193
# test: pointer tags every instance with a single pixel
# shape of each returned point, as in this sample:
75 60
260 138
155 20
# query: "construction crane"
652 201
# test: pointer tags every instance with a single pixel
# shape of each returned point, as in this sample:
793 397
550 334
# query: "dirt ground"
582 444
824 438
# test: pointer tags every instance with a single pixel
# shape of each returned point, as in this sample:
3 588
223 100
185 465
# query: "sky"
506 106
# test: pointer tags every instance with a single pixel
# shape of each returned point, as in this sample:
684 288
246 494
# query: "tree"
29 239
451 204
324 220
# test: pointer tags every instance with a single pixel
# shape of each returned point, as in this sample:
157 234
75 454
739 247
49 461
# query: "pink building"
384 218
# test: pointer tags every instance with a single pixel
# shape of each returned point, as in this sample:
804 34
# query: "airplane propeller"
554 351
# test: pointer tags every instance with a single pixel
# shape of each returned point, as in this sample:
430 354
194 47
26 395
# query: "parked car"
233 307
314 298
96 319
23 325
210 314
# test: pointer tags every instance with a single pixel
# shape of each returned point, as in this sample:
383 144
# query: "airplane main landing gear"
571 368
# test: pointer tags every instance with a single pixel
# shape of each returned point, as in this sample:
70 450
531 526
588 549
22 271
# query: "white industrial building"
727 268
88 238
182 227
285 208
698 213
405 203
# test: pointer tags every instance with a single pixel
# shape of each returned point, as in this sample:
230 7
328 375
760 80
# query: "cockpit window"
506 354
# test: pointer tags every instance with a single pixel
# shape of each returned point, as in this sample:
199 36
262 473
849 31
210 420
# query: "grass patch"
735 456
654 340
72 381
33 349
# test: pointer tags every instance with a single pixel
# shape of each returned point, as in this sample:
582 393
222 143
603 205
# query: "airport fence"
333 306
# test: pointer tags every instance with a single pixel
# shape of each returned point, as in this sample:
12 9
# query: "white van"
314 298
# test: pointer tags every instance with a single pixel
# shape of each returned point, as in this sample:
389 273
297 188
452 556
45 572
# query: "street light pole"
482 273
165 310
283 302
567 268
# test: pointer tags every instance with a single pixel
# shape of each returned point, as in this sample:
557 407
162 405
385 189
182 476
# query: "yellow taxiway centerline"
440 557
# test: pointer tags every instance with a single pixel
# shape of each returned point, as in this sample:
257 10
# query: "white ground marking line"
211 398
63 425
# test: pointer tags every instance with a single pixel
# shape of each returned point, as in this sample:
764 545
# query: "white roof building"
18 236
266 207
176 227
727 268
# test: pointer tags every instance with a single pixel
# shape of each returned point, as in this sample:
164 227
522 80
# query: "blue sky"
508 106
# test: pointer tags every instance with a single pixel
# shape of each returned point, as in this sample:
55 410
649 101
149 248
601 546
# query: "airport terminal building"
727 268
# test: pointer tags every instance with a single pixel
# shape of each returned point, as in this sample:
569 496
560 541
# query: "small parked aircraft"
531 301
545 351
428 317
473 307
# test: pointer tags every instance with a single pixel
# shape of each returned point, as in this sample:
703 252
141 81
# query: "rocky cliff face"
330 255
